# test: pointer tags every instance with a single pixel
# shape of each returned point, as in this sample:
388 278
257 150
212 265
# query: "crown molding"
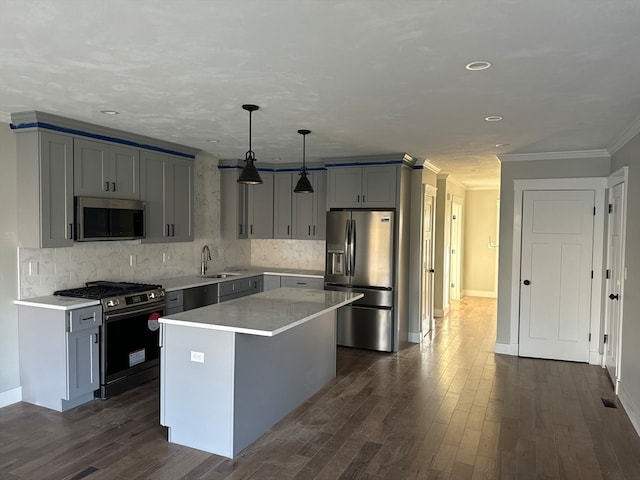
427 165
627 135
484 188
524 157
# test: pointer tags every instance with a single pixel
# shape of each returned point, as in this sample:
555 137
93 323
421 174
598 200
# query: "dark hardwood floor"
448 409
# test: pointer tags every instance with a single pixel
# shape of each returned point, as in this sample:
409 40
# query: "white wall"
480 223
629 155
9 372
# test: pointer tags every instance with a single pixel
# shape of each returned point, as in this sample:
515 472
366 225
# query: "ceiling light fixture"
477 66
493 118
109 112
502 145
303 185
249 174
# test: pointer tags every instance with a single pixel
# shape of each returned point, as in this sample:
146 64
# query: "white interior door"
615 277
456 251
426 300
555 280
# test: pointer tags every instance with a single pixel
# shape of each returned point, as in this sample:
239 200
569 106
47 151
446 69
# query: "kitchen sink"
221 275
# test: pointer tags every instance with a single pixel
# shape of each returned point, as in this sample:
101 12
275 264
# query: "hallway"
449 408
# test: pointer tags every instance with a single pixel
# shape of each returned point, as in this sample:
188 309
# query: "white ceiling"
365 76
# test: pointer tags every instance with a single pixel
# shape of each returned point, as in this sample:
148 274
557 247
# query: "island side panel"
274 375
196 397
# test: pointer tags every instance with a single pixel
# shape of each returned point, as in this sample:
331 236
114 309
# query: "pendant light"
249 174
303 185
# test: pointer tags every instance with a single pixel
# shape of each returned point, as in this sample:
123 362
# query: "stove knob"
113 303
152 295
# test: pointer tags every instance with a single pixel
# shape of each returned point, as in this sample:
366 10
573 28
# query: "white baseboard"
10 397
415 337
479 293
506 349
595 358
630 407
440 312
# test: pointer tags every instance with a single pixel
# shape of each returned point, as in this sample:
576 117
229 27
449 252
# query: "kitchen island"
230 371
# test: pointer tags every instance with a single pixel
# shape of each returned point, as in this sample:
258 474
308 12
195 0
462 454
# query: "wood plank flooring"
447 409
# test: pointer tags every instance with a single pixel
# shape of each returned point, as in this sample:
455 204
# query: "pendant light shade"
249 174
303 185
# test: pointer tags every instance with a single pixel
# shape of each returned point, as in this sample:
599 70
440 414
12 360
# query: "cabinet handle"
96 338
314 230
288 228
106 186
363 200
309 230
358 199
168 230
173 229
113 185
251 229
70 231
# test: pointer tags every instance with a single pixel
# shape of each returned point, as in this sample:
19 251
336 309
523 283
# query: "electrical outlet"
166 257
34 268
132 260
197 356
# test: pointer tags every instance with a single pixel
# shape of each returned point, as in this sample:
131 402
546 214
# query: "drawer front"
85 318
241 285
175 299
302 282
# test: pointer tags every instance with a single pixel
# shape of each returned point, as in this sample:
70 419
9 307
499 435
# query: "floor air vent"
608 403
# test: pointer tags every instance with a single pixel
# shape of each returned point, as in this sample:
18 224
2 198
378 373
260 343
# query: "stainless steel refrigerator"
360 257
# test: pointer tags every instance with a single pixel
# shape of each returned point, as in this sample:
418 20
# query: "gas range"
116 296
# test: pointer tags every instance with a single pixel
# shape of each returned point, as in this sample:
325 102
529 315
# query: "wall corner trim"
523 157
624 138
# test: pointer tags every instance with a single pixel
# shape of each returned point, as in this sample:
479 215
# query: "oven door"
129 348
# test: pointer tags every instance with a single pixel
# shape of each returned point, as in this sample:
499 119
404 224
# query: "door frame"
431 191
620 176
599 186
457 235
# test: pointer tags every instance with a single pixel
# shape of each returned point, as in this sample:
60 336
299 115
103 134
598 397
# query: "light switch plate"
197 356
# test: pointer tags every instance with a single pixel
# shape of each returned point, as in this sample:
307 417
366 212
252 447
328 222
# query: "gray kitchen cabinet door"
124 172
282 192
152 188
82 367
379 186
45 189
182 180
270 282
309 209
56 191
344 187
105 170
233 205
167 190
260 199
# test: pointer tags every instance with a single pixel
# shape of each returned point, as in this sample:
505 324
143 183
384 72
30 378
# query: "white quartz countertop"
267 313
190 281
55 302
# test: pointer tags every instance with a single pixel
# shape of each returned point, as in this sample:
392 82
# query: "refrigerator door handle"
347 238
353 246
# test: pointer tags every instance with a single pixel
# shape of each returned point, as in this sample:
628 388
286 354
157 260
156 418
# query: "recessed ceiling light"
502 145
493 118
109 112
276 158
479 65
213 141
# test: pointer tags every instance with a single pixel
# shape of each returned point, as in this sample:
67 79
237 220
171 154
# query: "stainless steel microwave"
108 219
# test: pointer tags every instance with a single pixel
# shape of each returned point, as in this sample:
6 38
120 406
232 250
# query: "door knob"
527 282
614 297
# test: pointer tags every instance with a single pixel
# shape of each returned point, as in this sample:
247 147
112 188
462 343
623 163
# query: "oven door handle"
128 313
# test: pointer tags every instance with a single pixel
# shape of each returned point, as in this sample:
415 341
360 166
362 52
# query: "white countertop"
55 302
267 313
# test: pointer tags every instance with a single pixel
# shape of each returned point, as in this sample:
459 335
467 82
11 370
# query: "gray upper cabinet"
309 209
282 197
167 189
260 207
362 187
45 189
233 202
105 170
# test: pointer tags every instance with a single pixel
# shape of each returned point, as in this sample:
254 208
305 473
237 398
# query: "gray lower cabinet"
105 170
260 207
241 287
45 189
270 282
174 302
302 282
166 186
59 355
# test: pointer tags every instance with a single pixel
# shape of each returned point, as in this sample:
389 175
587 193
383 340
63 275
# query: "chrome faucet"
206 257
